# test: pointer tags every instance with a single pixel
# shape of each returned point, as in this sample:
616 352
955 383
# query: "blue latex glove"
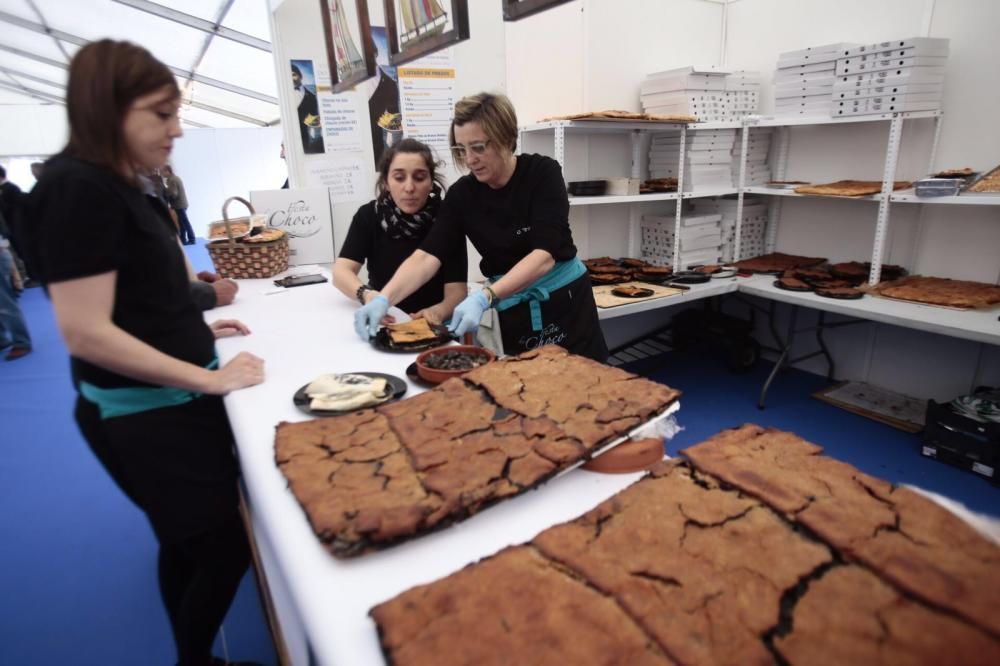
468 313
369 317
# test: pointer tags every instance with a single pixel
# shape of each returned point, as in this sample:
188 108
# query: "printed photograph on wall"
304 92
383 104
417 28
514 10
348 43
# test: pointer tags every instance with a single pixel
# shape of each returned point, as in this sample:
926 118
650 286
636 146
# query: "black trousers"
569 319
177 465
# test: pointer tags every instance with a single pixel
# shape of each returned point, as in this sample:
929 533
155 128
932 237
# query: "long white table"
321 602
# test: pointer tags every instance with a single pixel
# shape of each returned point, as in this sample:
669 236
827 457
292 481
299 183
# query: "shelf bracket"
888 179
680 199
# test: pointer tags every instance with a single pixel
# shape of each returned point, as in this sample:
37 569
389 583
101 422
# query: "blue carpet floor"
77 561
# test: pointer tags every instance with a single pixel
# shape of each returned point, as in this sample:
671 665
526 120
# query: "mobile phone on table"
299 280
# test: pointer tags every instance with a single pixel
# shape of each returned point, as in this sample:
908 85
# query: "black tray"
382 342
690 277
397 388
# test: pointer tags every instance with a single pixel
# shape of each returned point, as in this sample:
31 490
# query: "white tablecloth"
322 602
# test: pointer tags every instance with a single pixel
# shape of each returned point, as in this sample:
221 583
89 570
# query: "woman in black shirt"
386 231
142 357
515 211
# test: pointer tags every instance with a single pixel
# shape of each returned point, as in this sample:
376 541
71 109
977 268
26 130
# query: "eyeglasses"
478 148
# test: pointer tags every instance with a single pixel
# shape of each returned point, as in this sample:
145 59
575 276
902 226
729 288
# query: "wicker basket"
235 258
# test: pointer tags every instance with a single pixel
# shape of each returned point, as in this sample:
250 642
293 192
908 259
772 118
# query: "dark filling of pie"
455 360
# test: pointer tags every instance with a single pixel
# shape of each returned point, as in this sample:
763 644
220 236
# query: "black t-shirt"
530 212
88 221
368 243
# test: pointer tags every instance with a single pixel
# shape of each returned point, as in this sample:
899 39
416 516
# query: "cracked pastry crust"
372 478
777 262
941 291
757 550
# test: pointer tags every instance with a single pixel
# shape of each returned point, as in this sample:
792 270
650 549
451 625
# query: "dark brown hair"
105 78
494 113
407 146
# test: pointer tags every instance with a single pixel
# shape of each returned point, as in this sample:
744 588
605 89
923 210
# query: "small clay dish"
634 455
443 363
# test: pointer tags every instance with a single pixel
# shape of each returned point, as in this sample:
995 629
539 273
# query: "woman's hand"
244 370
368 318
431 314
225 328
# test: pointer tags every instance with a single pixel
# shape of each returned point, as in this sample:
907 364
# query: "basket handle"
225 215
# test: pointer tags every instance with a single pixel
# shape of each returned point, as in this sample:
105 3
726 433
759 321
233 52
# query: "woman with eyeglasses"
386 231
515 211
142 358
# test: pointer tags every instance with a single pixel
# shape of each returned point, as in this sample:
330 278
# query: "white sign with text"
305 216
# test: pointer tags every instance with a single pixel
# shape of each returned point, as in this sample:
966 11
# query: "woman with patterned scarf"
386 231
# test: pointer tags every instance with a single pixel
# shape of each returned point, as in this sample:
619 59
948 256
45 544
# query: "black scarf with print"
398 224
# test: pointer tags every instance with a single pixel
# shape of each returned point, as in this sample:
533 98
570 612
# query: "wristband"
360 293
490 295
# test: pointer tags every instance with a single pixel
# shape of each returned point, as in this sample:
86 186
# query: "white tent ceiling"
219 50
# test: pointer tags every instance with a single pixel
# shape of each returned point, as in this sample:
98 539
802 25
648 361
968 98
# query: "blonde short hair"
494 113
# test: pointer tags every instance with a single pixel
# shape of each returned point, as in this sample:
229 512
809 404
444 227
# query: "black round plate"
411 373
383 342
843 297
397 388
690 277
777 283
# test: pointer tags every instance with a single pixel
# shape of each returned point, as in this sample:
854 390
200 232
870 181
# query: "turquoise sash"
563 273
127 400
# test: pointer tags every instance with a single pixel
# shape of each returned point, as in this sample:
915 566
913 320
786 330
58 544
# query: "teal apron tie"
127 400
562 274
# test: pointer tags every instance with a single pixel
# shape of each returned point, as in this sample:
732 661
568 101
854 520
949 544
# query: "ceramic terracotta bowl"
441 363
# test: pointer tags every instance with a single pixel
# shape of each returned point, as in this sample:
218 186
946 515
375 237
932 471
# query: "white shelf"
609 125
717 125
707 194
976 325
622 199
779 192
788 121
695 293
964 199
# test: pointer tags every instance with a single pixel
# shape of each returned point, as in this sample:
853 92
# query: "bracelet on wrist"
491 296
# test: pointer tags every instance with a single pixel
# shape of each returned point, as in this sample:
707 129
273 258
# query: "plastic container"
937 187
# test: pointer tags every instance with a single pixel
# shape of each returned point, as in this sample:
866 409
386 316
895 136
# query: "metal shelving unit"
964 199
780 151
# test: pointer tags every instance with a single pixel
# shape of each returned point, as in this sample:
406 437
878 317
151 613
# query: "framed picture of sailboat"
417 28
514 10
349 46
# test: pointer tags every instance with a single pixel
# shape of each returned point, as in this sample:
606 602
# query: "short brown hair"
105 78
407 146
494 113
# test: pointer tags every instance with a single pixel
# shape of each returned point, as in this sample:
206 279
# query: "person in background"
143 360
11 208
177 198
12 325
515 211
387 230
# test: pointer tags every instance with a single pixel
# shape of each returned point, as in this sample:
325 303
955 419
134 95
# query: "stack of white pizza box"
700 240
707 157
710 93
803 80
758 170
887 77
742 94
752 228
693 91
